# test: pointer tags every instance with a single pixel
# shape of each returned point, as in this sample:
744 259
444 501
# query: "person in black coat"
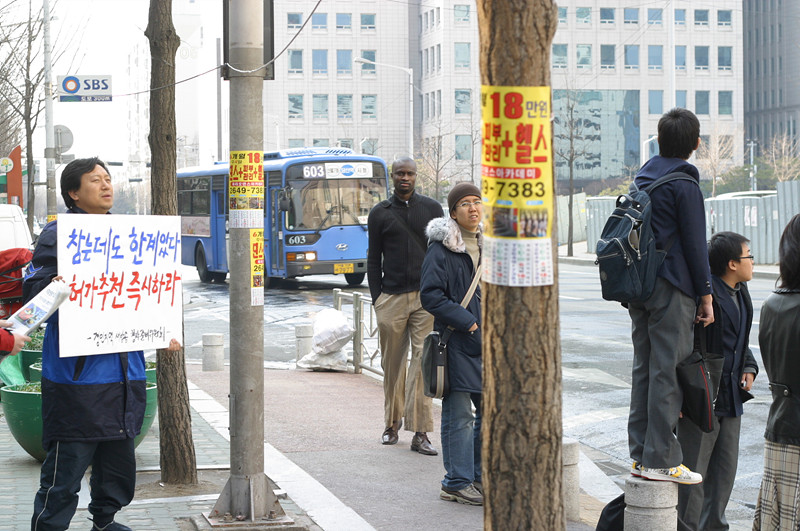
715 455
449 267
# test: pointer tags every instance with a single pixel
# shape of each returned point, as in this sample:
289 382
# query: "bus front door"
275 236
219 232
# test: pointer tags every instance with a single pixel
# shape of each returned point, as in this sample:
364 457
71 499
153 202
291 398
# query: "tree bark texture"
522 431
178 460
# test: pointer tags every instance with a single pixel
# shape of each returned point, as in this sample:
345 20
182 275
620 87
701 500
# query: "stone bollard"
303 335
650 505
213 352
571 483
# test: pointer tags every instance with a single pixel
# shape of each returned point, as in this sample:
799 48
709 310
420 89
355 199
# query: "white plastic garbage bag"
331 333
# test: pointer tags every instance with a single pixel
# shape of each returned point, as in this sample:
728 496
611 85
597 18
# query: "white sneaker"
636 469
677 474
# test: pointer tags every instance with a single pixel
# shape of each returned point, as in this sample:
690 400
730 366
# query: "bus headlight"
301 257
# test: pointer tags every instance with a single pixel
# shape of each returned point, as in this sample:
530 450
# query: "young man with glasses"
716 454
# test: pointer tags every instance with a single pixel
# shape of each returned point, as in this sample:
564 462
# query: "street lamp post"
410 72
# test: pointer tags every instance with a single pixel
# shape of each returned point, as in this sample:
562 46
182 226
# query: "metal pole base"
261 507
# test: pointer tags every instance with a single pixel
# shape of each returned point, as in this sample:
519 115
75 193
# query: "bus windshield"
322 203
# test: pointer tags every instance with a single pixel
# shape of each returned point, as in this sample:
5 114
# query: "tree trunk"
521 432
178 461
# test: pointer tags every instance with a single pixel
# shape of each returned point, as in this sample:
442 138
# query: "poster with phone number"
256 267
517 186
246 190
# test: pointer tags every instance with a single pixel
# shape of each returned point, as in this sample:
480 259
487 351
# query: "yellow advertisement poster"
246 190
517 185
257 267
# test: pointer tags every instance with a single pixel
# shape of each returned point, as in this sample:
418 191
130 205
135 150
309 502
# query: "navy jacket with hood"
446 276
679 216
84 398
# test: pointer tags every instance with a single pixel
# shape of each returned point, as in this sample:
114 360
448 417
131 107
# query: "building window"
438 103
724 17
369 107
655 57
727 140
701 57
344 106
320 104
294 20
701 17
463 147
319 61
461 13
705 140
583 15
608 60
655 101
369 146
680 17
368 69
655 16
319 21
296 143
726 102
463 101
295 61
438 57
631 57
344 21
562 15
724 58
606 15
367 21
584 55
295 107
680 57
344 62
321 142
344 143
631 15
559 56
462 55
680 98
701 105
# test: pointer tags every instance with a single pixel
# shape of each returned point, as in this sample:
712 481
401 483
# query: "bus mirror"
284 203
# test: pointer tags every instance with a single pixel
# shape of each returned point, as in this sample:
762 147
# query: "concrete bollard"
213 352
650 505
303 335
571 483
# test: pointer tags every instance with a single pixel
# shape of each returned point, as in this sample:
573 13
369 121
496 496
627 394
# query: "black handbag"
699 377
434 352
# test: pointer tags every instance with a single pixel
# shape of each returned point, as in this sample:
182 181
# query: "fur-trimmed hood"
447 231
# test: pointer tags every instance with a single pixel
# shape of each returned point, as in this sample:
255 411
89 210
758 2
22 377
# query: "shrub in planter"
22 405
31 352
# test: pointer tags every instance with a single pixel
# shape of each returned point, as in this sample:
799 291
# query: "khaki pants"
402 321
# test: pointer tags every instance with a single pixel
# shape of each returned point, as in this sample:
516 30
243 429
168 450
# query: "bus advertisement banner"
124 275
517 180
256 267
246 190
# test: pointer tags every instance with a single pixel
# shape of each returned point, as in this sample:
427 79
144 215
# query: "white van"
14 228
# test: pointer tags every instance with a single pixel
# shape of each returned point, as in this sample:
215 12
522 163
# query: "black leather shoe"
390 434
420 443
111 526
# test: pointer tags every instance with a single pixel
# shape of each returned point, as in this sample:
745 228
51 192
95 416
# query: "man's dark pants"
662 333
112 482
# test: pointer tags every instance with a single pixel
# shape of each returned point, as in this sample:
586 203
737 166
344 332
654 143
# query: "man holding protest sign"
92 405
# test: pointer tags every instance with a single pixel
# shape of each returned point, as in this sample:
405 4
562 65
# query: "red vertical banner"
14 178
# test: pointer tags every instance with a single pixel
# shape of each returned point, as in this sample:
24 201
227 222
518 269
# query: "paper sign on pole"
124 273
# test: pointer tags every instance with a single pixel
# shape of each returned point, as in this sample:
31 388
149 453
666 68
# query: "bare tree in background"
178 460
781 155
433 162
714 157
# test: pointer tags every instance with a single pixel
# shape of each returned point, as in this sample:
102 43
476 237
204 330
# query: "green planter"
150 371
22 405
35 370
26 358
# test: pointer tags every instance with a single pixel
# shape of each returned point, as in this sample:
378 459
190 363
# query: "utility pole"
753 168
50 139
521 402
247 496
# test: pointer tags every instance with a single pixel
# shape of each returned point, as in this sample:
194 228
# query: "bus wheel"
354 279
219 278
200 263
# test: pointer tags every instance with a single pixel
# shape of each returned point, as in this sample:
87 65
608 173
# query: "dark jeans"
461 439
112 482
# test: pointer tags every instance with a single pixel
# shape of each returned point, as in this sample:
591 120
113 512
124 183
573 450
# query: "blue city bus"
315 213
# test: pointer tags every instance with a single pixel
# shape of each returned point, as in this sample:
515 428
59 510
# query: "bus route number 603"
298 239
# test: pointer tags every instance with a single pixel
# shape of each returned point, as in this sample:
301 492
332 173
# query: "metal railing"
365 328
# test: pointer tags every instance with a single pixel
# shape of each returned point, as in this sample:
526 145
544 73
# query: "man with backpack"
662 325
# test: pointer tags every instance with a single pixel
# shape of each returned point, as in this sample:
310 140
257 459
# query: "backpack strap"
674 176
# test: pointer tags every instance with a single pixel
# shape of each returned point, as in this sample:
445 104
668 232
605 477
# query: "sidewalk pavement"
322 451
